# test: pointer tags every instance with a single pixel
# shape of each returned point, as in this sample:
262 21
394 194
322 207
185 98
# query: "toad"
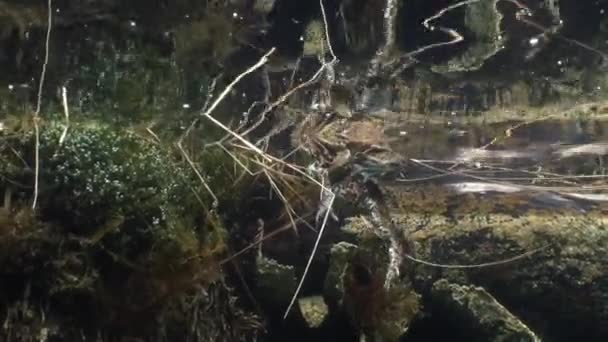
335 140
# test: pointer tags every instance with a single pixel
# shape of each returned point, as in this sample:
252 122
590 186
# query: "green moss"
122 225
112 188
98 171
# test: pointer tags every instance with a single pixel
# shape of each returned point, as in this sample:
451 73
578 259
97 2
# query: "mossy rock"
356 284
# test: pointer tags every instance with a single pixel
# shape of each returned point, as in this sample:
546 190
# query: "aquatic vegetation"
121 223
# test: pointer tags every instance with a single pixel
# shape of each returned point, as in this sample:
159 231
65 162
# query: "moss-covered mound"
124 240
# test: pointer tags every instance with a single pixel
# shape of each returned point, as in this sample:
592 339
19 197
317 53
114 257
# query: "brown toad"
333 140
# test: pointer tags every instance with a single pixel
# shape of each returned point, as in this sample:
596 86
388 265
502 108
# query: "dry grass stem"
198 173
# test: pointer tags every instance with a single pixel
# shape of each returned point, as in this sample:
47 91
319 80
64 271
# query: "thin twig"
332 196
312 254
224 93
325 66
36 117
66 113
482 265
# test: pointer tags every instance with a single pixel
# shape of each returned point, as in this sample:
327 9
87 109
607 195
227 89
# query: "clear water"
129 126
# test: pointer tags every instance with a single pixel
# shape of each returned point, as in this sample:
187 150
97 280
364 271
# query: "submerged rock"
275 283
357 285
480 313
333 289
543 259
314 310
